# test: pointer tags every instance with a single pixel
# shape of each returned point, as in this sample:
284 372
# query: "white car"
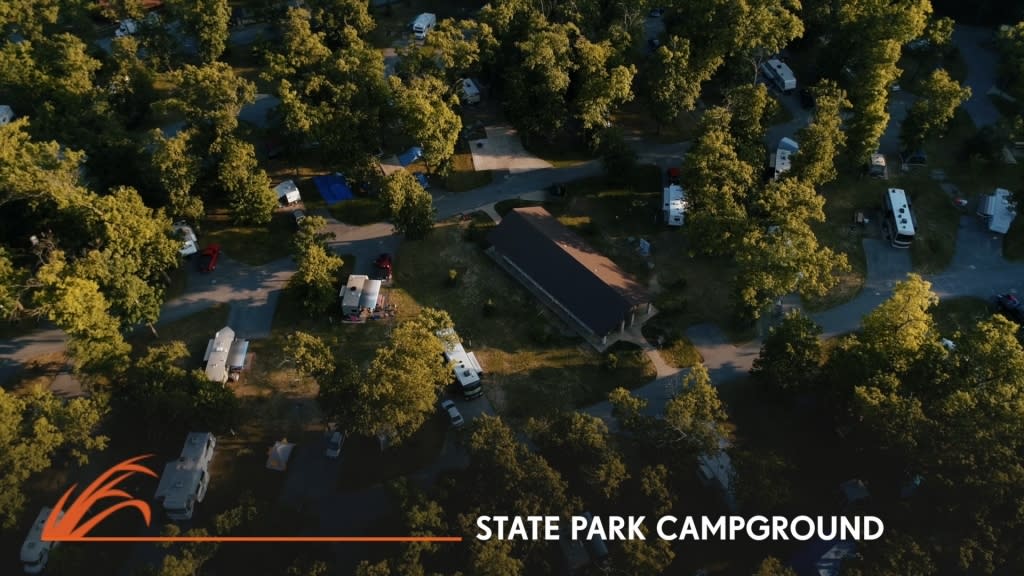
189 242
127 28
299 216
453 413
334 445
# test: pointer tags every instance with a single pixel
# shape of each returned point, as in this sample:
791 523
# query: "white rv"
716 470
465 366
34 551
779 74
899 218
218 351
999 210
184 481
287 193
189 242
6 114
674 205
423 24
781 161
352 294
469 93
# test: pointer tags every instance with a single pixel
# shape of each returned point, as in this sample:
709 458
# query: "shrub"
611 361
453 276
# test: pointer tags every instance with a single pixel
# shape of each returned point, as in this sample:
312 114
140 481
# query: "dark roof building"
567 274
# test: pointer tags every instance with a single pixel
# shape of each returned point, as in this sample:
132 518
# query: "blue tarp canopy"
409 156
422 178
333 188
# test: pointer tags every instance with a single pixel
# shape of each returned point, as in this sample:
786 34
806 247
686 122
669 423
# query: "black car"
1010 306
807 99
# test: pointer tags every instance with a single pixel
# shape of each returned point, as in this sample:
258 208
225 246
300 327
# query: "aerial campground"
511 288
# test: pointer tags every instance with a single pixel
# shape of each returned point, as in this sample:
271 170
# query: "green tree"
772 566
617 156
209 22
33 428
750 108
428 118
177 170
537 83
337 17
247 186
585 454
901 325
316 277
454 49
695 417
312 356
939 97
410 206
211 97
823 139
675 77
1011 64
601 85
790 356
401 384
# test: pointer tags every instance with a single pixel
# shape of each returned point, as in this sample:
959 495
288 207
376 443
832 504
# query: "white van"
469 93
423 24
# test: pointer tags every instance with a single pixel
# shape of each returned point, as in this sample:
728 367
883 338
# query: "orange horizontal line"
260 539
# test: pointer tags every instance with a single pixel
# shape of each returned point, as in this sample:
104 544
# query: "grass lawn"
253 245
195 331
564 151
463 175
843 198
954 315
636 122
666 332
937 224
360 211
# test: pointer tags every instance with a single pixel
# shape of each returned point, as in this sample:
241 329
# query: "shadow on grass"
365 464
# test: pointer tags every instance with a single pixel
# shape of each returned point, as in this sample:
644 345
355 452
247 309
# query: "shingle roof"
592 287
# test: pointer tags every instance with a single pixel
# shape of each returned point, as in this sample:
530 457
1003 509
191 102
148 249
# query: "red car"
208 258
673 176
383 265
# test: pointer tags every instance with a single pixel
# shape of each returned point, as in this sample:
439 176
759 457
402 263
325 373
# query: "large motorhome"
184 481
423 24
674 205
779 74
465 366
35 552
899 218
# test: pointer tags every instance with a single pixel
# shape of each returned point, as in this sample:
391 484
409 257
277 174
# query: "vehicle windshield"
903 238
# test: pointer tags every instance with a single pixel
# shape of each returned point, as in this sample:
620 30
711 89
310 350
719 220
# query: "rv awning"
278 455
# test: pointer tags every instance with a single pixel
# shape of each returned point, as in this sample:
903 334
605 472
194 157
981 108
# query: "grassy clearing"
636 122
561 152
843 199
253 245
463 175
937 224
954 315
360 211
195 331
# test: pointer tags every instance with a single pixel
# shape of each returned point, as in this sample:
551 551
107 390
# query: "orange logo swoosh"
67 526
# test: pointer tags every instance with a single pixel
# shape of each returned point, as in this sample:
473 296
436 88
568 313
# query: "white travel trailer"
999 210
423 24
6 114
287 192
781 161
899 218
34 551
189 242
184 481
352 293
469 93
465 366
779 74
674 205
218 349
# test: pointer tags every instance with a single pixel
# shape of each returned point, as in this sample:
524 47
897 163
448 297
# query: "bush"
453 276
611 361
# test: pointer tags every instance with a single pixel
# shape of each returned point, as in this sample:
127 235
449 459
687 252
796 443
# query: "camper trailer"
899 218
189 242
6 114
423 24
218 350
999 210
34 551
352 294
779 74
184 481
781 161
236 358
674 205
466 368
469 93
287 193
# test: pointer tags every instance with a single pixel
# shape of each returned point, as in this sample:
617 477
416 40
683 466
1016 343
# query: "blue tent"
409 156
422 178
333 188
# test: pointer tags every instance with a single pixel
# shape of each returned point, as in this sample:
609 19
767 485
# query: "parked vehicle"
1010 305
127 27
184 481
423 24
334 444
466 369
877 167
673 176
299 216
780 75
188 239
34 551
208 258
469 92
383 266
453 414
899 218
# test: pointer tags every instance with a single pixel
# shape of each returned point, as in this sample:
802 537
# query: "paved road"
974 45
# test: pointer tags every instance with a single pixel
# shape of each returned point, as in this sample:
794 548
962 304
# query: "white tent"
278 455
287 192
